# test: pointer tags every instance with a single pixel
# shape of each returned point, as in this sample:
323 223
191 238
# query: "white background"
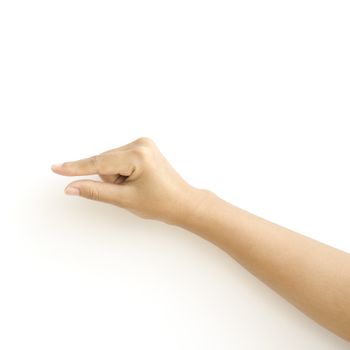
247 98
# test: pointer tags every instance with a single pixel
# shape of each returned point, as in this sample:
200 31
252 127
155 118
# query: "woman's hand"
136 177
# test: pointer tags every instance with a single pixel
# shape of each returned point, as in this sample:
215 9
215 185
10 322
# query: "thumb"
98 191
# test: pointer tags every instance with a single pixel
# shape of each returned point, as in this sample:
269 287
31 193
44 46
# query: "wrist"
193 207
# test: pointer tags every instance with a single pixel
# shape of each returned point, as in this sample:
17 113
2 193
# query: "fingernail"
73 191
56 166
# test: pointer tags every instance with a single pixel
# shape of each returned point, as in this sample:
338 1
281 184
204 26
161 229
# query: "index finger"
85 166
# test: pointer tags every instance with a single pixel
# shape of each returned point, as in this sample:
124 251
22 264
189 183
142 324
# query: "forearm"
309 274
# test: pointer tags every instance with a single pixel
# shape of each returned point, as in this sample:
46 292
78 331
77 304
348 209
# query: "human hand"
136 177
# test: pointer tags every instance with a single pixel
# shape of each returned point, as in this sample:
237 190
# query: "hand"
136 177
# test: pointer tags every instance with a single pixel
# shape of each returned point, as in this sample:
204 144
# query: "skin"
312 276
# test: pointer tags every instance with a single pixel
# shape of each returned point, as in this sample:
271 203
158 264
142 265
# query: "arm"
309 274
312 276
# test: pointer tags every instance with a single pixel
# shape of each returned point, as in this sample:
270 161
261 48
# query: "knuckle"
92 193
142 153
144 148
95 162
146 141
